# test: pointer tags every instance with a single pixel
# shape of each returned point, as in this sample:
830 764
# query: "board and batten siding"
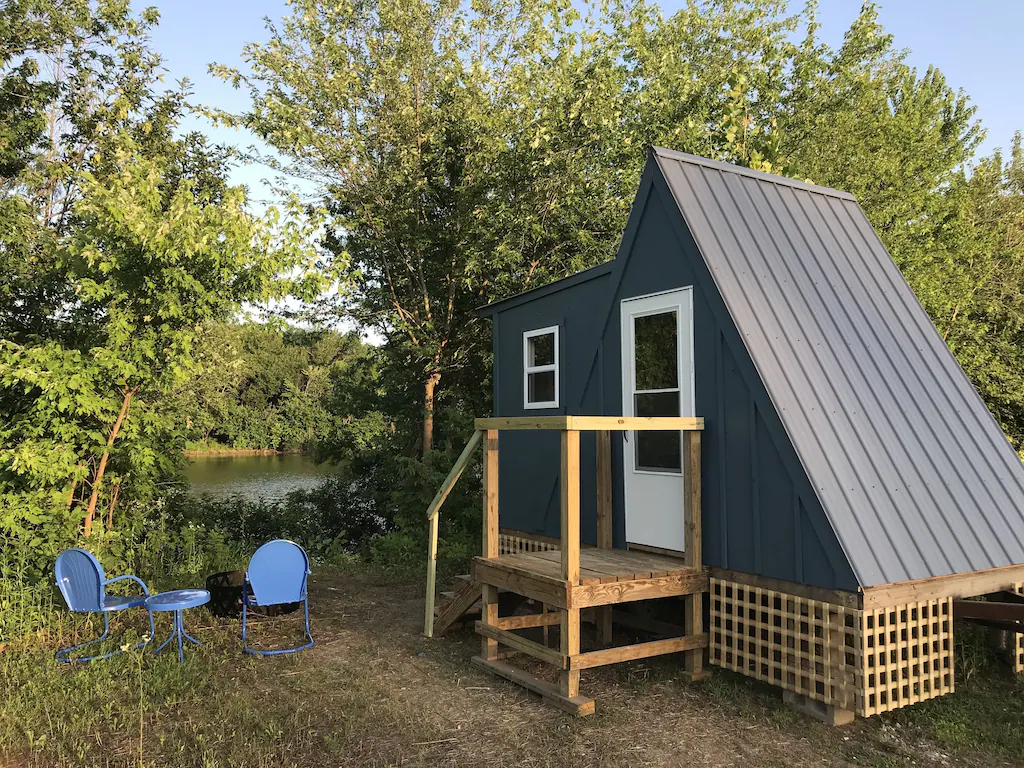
528 462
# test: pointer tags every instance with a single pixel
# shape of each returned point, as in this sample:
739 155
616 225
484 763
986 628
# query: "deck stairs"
462 603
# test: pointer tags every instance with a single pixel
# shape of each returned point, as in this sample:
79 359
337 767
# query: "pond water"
270 478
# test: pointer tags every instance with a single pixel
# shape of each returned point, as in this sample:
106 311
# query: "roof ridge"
739 170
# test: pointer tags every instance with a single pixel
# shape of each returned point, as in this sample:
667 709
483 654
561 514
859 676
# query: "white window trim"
528 369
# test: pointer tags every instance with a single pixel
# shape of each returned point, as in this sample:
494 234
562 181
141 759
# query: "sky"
974 42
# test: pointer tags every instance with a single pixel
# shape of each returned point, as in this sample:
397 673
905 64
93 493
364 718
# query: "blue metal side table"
178 601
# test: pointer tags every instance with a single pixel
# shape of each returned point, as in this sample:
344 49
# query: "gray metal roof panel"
672 154
915 475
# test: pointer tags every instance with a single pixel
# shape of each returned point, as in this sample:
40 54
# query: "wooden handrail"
432 520
453 476
592 423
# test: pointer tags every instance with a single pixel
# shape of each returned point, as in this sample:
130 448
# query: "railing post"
604 520
428 610
569 637
693 661
433 514
489 597
571 506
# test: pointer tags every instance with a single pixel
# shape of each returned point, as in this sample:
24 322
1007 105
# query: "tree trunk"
428 411
98 479
113 503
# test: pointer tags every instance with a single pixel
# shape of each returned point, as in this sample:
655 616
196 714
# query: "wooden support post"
570 542
693 662
428 617
604 521
489 617
489 596
490 522
569 637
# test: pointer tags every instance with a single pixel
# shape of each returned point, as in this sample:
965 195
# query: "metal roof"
915 475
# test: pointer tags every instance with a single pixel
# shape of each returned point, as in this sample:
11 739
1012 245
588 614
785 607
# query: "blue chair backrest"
80 579
277 573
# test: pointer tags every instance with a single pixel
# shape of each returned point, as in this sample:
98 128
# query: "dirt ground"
375 692
646 714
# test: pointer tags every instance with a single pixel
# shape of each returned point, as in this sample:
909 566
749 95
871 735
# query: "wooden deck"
575 578
607 577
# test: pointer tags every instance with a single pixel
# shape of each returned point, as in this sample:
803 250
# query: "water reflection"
253 477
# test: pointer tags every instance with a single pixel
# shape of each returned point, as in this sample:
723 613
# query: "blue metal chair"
81 580
276 575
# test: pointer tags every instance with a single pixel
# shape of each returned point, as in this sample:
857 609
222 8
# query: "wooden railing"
570 427
433 511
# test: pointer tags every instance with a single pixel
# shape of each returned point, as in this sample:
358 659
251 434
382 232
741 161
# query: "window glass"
656 351
540 368
541 387
542 350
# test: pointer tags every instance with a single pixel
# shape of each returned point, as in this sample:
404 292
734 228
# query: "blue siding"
528 483
761 515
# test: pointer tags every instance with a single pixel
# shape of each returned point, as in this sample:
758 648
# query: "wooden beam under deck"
624 577
673 585
548 590
574 705
638 651
529 621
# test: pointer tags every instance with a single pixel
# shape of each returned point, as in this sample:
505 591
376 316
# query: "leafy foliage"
121 244
469 151
265 386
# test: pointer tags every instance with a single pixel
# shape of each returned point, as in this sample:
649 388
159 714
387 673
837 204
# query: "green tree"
972 282
468 151
124 244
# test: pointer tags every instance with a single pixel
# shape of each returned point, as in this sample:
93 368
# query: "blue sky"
974 42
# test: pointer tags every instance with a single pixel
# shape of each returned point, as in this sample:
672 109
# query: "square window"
540 368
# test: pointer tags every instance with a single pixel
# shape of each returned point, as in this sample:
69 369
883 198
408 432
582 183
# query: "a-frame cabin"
847 480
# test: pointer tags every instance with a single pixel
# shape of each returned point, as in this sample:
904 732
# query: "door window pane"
658 451
656 352
541 387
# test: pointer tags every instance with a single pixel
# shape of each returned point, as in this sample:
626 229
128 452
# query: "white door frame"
654 500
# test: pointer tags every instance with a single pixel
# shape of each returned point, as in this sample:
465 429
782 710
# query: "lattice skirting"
514 544
864 661
1018 640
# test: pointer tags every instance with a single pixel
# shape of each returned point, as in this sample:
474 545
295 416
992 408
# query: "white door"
657 380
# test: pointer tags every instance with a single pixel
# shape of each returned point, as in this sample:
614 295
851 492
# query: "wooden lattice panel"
801 645
512 544
907 652
865 661
1018 640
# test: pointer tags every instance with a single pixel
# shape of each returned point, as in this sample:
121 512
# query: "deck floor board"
597 566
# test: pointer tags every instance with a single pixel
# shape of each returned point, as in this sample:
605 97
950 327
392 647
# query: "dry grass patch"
373 692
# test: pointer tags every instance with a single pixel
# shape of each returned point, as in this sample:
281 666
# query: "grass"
374 692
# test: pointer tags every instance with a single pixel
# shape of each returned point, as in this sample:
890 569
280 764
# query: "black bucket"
225 590
225 594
